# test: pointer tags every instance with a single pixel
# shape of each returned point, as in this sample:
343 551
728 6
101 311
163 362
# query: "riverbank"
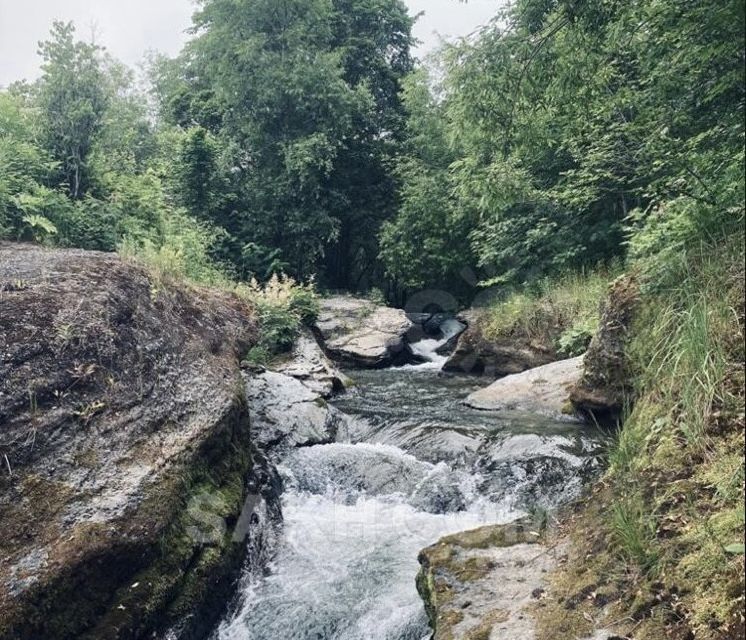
352 486
655 550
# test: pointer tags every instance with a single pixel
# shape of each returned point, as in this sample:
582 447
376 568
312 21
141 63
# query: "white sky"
129 28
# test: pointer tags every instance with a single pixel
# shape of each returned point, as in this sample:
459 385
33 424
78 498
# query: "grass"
664 529
633 531
562 312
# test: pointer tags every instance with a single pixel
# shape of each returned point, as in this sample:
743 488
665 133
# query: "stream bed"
417 465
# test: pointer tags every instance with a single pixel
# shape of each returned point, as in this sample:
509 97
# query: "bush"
283 306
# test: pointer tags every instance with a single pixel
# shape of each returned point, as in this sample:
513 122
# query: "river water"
418 465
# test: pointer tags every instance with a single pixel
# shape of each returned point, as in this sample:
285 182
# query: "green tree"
301 101
426 245
73 99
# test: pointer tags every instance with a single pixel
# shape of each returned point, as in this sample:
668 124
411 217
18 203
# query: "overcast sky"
129 28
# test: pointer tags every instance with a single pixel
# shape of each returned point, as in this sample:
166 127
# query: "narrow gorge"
252 502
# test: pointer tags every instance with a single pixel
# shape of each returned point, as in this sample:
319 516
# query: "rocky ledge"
544 390
360 333
125 449
604 388
477 354
481 584
308 364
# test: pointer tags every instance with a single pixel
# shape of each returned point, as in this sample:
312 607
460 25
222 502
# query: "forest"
526 167
303 138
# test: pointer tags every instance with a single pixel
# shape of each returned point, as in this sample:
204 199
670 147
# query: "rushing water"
419 465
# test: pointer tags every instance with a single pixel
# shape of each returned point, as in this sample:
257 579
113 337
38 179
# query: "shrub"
283 306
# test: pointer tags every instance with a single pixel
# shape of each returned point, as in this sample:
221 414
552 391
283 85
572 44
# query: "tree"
301 99
426 245
73 100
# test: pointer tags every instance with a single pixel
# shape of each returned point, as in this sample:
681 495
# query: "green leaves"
574 127
72 97
304 95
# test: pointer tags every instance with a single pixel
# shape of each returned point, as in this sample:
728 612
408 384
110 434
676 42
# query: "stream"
417 465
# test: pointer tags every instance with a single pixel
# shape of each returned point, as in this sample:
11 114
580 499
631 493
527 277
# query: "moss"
492 536
151 573
188 575
676 473
483 630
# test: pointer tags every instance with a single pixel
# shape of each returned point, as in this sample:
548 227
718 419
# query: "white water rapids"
419 466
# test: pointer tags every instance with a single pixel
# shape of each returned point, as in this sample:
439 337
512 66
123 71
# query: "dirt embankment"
121 403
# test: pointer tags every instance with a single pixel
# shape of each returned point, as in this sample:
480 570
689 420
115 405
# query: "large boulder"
125 450
605 386
483 583
285 414
477 354
544 390
360 333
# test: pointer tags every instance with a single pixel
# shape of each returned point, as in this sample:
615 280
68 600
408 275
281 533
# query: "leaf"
736 549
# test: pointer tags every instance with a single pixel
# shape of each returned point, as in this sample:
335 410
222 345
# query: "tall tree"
73 100
302 96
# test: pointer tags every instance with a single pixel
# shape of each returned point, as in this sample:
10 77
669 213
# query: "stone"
605 386
544 390
308 364
476 354
285 413
121 412
480 584
359 333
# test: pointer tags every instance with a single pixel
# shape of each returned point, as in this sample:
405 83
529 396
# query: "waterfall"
428 348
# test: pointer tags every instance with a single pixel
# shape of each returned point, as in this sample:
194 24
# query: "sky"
130 28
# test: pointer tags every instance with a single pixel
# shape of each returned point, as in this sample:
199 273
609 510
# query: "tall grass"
633 531
563 311
683 347
677 466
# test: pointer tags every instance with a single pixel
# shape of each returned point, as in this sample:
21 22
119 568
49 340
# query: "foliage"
24 164
677 470
39 226
572 125
291 117
283 306
426 244
72 98
562 312
179 251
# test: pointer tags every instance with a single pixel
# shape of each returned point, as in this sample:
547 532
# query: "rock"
481 584
476 354
285 413
125 450
360 333
544 390
308 364
605 386
531 470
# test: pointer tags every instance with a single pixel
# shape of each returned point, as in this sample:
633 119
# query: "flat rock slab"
482 584
360 333
544 390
